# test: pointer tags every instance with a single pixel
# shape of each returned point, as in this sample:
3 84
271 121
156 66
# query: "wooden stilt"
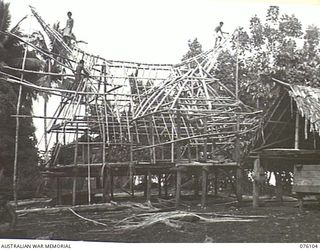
165 185
196 184
131 178
216 181
239 176
111 184
145 185
159 184
255 195
149 186
89 169
300 201
107 185
237 159
279 189
75 160
59 191
178 187
204 187
296 133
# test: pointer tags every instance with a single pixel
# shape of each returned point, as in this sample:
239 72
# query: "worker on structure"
219 34
67 32
79 73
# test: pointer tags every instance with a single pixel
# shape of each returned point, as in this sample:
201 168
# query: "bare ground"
223 221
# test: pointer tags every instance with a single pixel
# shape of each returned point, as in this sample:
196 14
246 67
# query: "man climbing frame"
218 34
67 32
78 76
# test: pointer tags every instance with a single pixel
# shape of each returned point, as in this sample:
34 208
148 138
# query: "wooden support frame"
169 114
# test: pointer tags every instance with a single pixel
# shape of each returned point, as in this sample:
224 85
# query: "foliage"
272 48
12 53
195 48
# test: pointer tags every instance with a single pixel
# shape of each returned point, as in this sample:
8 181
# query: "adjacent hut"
288 141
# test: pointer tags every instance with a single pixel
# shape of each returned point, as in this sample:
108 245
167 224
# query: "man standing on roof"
67 32
219 34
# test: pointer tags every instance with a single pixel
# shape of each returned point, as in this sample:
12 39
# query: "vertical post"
107 184
278 186
300 201
179 174
179 151
296 133
204 170
131 164
255 195
172 143
216 183
237 159
153 149
196 183
89 168
159 184
204 186
237 68
165 185
74 183
59 191
178 187
149 186
104 149
15 163
205 145
145 185
111 183
189 152
45 110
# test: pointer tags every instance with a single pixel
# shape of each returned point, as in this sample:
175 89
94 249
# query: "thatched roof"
308 104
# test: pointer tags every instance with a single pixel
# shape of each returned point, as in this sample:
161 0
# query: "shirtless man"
219 34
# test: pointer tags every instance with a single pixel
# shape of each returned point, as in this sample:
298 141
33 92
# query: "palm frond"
5 17
30 64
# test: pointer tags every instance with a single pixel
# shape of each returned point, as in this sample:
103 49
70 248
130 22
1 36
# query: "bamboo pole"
204 186
237 67
179 177
15 166
53 90
296 131
204 170
255 195
74 183
45 111
149 183
237 159
178 186
16 151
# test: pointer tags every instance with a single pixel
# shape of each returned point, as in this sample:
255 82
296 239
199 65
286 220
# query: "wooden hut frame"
168 118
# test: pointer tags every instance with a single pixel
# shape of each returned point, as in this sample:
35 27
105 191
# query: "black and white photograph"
148 121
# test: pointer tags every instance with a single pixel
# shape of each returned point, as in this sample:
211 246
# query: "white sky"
151 31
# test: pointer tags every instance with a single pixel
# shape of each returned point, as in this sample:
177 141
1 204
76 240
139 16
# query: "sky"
150 31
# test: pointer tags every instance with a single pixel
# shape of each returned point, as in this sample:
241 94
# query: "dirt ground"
223 220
